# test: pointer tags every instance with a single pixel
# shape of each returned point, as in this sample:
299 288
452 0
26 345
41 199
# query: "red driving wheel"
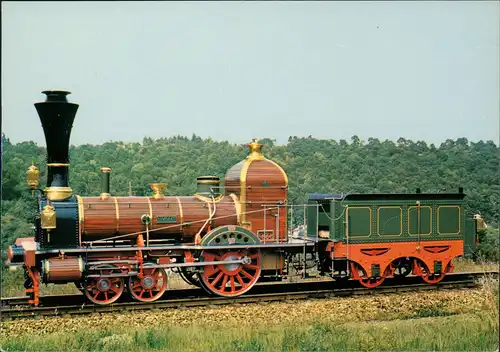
231 279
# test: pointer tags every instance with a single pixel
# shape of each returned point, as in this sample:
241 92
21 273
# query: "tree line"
312 165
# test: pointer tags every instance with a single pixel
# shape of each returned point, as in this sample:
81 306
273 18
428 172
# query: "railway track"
17 307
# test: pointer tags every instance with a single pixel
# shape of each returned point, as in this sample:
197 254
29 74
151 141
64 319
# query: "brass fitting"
158 189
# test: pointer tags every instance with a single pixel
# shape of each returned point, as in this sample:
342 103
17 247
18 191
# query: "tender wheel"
151 286
359 273
104 290
235 278
421 269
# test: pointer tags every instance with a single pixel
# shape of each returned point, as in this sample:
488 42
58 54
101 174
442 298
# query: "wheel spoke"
157 276
246 274
240 280
252 266
211 270
224 283
218 278
233 288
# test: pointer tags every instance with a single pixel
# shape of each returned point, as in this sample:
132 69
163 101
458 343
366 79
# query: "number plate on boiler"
166 219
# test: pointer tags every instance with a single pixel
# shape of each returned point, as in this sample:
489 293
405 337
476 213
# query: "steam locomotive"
225 238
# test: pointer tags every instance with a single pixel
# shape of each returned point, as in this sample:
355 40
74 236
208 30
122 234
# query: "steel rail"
264 292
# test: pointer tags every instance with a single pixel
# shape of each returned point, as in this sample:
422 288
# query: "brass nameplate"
166 219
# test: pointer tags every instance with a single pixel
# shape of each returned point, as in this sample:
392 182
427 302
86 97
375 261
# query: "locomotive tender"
225 239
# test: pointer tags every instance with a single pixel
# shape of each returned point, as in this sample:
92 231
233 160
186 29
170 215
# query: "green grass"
454 324
466 332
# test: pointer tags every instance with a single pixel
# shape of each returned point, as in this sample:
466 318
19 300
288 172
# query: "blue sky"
237 70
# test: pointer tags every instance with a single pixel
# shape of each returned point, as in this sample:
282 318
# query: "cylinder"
57 116
15 254
105 173
62 269
208 186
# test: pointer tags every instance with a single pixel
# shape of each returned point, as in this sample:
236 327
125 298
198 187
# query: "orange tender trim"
354 252
375 252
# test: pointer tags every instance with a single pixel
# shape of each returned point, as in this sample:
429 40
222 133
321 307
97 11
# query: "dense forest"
312 165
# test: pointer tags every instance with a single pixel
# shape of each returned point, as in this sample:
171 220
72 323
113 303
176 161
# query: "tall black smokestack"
57 116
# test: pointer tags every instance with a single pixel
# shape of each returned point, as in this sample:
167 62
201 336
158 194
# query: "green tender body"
374 218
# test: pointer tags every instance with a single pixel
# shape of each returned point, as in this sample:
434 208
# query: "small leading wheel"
104 289
231 279
151 286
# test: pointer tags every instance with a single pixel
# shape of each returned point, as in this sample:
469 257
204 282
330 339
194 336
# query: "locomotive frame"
225 239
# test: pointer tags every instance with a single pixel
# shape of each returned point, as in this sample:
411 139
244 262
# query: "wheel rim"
104 290
372 282
151 286
231 279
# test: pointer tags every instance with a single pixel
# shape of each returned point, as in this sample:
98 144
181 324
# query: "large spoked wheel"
104 290
359 273
151 286
232 279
